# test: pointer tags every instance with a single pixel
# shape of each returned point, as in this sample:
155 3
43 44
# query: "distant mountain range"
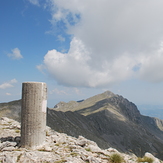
108 119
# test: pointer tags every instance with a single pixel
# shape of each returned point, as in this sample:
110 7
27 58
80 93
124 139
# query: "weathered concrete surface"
33 114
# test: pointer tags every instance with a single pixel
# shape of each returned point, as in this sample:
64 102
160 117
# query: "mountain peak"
108 93
106 100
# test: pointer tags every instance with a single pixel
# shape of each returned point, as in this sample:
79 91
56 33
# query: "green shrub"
145 159
47 133
116 158
17 131
42 150
74 154
88 149
18 158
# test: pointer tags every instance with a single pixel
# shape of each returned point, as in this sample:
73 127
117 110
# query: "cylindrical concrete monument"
33 114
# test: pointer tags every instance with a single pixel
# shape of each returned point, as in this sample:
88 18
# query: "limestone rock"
7 144
155 160
94 148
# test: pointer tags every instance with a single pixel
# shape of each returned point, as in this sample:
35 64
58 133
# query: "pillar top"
33 82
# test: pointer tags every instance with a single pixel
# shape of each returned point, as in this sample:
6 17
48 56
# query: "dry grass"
145 159
116 158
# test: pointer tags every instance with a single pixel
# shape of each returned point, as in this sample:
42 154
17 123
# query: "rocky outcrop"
58 147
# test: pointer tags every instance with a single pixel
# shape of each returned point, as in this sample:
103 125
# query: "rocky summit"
58 148
108 119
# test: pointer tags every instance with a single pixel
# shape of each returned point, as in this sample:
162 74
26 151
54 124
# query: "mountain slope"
11 110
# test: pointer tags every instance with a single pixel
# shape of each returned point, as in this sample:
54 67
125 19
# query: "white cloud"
112 41
152 66
8 94
8 84
13 81
15 54
5 85
77 91
61 38
76 68
34 2
58 92
66 91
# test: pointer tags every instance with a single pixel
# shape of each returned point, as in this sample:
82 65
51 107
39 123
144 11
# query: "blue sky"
82 48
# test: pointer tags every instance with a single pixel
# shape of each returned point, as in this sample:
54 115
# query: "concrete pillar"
33 114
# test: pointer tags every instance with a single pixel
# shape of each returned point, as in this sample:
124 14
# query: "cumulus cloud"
152 66
76 68
15 54
8 84
111 41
